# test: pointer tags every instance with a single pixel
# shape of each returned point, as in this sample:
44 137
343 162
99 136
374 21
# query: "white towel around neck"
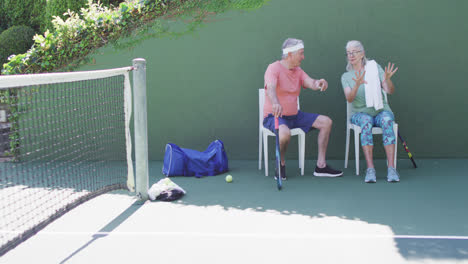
373 87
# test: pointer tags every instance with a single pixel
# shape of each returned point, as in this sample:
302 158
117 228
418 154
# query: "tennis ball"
229 178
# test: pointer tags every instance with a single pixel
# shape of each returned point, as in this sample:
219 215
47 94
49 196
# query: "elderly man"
283 82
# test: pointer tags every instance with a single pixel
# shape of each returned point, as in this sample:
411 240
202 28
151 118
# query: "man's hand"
322 84
277 110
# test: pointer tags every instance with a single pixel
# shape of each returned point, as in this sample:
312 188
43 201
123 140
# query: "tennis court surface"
422 219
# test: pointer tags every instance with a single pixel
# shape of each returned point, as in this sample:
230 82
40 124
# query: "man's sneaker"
283 173
392 175
370 176
327 172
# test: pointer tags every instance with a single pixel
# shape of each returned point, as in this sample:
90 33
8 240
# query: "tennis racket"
278 156
407 149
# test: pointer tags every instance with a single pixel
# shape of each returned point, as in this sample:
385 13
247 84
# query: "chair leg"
299 150
260 141
356 150
265 152
302 154
348 131
395 130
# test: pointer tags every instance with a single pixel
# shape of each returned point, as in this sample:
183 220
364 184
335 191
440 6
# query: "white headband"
293 48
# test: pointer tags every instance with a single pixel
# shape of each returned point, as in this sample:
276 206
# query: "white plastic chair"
263 134
357 131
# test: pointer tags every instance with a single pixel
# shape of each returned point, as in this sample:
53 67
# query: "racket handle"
276 123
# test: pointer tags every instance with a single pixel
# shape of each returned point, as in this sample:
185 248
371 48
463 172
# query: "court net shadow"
103 232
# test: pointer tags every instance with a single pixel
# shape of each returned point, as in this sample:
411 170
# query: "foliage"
111 2
78 35
74 37
60 8
15 40
22 12
38 15
3 19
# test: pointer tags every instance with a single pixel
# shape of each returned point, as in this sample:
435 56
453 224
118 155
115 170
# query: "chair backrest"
348 110
261 102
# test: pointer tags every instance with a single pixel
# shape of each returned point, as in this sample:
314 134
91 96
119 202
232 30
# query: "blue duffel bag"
187 162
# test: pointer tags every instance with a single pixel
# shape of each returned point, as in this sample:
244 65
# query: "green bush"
108 3
23 12
59 8
15 40
72 39
38 18
3 20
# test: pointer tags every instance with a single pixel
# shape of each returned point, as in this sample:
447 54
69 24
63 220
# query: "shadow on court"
417 248
429 200
108 228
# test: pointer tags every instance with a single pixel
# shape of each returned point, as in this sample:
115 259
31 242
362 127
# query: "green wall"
203 86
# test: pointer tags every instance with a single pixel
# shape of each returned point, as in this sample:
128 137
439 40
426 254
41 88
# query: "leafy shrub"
15 40
38 19
108 3
17 12
73 38
59 8
23 12
3 19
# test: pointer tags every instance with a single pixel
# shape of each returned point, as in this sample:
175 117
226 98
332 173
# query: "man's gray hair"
289 43
355 44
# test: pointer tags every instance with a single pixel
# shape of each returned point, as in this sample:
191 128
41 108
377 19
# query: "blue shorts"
302 120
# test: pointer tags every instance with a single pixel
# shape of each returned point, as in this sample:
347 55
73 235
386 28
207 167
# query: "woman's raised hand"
390 70
359 77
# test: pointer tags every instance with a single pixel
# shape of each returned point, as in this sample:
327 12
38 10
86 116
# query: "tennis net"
64 139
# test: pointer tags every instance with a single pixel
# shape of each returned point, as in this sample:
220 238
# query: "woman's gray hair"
355 44
289 43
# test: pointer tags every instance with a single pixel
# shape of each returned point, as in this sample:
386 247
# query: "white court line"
259 235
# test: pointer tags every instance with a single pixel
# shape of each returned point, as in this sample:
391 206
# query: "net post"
141 132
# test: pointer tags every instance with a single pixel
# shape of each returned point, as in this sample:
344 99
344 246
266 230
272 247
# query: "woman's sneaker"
392 175
370 176
327 172
283 173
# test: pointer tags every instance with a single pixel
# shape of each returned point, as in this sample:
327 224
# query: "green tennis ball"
229 178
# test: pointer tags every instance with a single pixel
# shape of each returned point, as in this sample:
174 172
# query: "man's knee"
285 136
324 122
329 121
284 132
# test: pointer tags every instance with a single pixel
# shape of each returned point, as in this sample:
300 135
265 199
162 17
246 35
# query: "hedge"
74 38
38 14
23 12
15 40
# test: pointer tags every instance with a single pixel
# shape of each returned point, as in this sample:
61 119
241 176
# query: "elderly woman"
364 83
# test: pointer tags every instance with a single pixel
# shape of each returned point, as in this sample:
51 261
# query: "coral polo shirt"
288 87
